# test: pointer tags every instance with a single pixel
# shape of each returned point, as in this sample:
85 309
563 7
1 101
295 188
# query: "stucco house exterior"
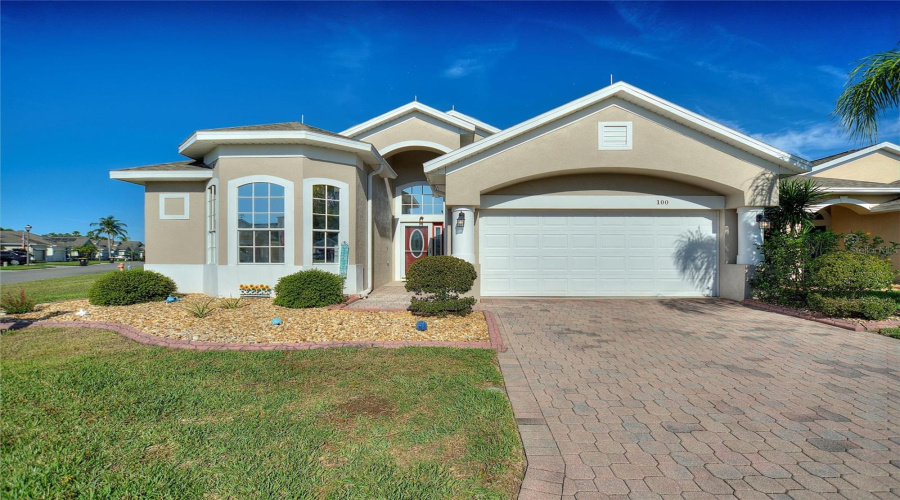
618 193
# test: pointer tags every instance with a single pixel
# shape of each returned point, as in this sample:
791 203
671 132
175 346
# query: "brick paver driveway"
698 399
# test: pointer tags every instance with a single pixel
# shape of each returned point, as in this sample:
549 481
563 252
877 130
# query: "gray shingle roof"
13 237
830 182
175 165
888 206
275 126
836 156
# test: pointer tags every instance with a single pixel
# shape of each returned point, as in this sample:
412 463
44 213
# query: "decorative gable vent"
615 135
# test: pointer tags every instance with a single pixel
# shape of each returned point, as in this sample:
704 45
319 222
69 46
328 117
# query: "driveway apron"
698 398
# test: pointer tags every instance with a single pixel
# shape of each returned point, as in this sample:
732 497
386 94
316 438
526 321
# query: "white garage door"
598 253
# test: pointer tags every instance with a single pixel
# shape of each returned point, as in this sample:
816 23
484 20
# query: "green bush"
311 288
872 308
438 282
124 288
849 273
16 303
784 276
893 333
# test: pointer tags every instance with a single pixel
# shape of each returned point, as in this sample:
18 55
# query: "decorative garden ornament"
277 321
421 326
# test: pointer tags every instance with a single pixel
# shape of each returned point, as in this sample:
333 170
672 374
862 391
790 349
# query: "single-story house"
864 192
38 248
618 193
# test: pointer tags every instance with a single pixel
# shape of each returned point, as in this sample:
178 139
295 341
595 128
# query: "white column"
463 242
750 236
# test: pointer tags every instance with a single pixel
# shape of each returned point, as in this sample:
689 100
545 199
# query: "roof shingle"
275 126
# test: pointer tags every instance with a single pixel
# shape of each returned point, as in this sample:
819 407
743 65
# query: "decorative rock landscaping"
252 323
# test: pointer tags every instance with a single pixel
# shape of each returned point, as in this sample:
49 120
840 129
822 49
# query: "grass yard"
73 287
89 413
47 265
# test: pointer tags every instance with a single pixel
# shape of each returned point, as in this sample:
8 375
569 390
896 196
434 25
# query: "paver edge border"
132 333
840 323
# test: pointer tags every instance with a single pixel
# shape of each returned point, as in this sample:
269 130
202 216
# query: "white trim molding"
404 110
343 233
601 202
843 200
232 210
184 197
490 129
641 98
888 146
399 147
142 176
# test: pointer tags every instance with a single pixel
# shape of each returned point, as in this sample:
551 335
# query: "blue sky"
89 87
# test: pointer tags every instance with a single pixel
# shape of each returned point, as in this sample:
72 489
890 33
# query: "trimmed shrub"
785 276
438 282
311 288
850 273
123 288
16 303
872 308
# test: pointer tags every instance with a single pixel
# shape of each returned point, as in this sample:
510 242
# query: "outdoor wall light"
421 220
762 221
461 220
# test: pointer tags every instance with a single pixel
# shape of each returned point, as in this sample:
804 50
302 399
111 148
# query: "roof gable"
635 96
403 111
839 159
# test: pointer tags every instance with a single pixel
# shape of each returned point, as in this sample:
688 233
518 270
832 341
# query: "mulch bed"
845 323
252 323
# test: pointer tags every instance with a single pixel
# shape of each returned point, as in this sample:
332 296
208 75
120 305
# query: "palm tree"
872 88
111 227
795 197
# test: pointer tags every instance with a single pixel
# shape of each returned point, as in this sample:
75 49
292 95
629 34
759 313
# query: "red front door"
416 244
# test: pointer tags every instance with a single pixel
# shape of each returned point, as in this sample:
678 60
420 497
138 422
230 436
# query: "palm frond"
872 88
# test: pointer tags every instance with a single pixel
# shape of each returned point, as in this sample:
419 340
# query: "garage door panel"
596 253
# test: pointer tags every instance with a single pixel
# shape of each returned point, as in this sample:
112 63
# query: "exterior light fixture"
27 244
461 220
762 221
421 220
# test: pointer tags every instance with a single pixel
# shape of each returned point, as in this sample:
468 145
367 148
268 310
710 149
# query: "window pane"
405 210
416 210
426 189
329 255
276 205
244 220
245 204
406 198
334 222
319 191
262 254
261 221
277 255
332 240
318 239
260 205
245 238
276 238
276 190
318 206
261 189
245 190
334 207
246 255
261 238
276 220
333 193
318 255
318 222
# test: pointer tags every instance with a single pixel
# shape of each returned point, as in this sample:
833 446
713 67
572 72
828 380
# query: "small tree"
438 282
112 228
86 250
793 214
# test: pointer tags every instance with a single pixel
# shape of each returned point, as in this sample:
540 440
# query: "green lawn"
87 413
47 265
73 287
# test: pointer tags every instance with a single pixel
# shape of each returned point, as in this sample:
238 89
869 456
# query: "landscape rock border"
138 336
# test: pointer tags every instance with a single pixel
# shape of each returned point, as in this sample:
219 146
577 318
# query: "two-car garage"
598 253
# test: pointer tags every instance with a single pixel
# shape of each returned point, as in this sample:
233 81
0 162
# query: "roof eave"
141 177
405 109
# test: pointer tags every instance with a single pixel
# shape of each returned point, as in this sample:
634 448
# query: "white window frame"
232 228
398 205
629 136
212 222
186 199
344 217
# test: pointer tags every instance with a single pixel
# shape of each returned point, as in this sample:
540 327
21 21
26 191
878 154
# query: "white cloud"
839 74
730 73
817 140
477 59
734 38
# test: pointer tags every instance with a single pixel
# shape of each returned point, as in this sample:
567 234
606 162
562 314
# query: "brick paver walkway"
390 296
698 399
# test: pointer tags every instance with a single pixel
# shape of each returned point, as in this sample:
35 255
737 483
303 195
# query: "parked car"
13 257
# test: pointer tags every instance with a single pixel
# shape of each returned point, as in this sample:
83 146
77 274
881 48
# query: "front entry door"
415 244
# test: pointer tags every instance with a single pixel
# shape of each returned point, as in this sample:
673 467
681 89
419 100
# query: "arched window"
326 226
260 223
418 199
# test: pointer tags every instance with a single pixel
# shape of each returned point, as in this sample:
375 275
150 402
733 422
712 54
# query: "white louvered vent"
615 135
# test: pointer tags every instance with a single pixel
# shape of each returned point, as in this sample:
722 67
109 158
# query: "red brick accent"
838 322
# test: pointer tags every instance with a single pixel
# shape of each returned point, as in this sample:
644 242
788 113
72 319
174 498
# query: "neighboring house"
64 246
39 248
864 185
618 193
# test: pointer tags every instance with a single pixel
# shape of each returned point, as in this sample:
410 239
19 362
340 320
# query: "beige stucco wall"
413 127
661 148
887 225
879 166
383 231
603 184
175 241
408 165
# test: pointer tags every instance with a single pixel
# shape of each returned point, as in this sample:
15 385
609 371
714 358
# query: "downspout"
370 245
